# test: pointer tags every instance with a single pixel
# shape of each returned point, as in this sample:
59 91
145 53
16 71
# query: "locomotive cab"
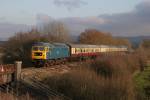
39 52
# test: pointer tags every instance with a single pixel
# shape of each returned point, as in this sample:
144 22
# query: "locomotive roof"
40 44
60 45
50 44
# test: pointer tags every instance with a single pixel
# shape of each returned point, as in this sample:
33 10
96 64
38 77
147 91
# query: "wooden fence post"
18 65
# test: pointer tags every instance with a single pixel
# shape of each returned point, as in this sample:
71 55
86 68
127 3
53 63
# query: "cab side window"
46 49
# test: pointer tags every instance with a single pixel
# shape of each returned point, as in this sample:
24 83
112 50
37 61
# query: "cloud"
136 22
42 19
133 23
79 24
70 4
7 29
2 18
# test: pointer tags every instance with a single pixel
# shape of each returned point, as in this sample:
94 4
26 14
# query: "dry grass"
115 65
85 84
106 78
7 96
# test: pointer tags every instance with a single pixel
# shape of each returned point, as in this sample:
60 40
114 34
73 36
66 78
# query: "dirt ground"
41 73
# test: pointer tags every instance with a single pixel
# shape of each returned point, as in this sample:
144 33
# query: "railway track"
43 89
9 89
30 82
46 71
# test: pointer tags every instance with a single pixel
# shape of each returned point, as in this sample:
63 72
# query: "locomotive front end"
39 52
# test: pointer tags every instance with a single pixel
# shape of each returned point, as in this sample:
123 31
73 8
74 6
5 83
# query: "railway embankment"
84 80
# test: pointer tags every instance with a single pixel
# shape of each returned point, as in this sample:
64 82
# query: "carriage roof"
87 46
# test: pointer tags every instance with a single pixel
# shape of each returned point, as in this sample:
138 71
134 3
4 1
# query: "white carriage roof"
87 46
95 46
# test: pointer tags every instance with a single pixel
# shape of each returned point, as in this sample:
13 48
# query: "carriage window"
92 50
82 50
77 50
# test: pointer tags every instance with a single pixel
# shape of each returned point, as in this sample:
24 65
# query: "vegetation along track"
33 76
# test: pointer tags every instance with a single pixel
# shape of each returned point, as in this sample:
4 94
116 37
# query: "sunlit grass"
142 82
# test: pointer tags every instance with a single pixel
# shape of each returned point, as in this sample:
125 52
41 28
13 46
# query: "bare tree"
56 31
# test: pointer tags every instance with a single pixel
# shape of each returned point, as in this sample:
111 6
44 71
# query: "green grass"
142 82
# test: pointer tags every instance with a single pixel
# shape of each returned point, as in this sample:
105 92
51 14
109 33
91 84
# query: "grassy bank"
142 83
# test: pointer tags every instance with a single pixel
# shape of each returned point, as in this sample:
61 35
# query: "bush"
142 84
142 55
85 84
107 78
115 65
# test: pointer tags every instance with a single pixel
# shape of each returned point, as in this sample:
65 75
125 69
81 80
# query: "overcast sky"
119 17
25 11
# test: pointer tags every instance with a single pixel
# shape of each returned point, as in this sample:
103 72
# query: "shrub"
142 84
85 84
114 65
109 77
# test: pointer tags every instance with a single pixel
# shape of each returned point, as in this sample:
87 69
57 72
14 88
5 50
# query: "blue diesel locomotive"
47 53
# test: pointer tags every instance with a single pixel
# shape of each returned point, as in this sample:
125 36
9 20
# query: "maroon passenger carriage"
83 51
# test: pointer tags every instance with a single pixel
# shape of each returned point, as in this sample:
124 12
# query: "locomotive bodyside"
43 52
59 51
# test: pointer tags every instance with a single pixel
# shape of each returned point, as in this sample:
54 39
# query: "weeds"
85 84
106 78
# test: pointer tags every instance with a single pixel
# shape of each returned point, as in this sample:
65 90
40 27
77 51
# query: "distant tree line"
18 47
92 36
146 44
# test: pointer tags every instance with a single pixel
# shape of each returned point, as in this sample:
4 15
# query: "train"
44 54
